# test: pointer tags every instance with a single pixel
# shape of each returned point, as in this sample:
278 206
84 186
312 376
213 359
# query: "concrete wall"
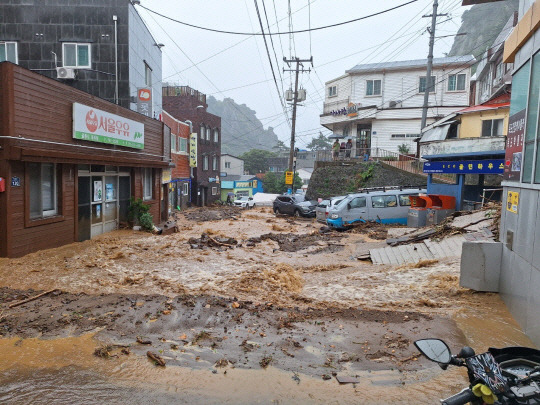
520 273
471 124
462 145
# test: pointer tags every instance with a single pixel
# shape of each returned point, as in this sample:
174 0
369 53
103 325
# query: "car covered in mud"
244 202
291 205
322 209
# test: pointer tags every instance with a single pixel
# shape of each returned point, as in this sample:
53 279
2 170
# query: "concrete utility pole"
430 60
299 68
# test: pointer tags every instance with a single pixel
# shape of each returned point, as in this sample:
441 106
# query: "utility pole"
430 60
299 68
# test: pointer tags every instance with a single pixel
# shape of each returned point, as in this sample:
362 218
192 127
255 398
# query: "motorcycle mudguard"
486 369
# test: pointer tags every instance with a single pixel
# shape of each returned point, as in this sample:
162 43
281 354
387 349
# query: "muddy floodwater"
243 308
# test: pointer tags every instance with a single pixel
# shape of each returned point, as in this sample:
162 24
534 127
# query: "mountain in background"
241 130
481 24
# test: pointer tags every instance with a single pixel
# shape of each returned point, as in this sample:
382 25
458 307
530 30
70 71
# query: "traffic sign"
289 178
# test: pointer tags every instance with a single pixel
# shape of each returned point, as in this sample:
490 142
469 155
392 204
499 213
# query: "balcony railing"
335 105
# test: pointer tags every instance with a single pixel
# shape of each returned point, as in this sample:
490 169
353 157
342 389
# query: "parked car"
385 206
321 212
244 202
288 204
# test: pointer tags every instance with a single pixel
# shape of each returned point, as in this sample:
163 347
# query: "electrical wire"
280 33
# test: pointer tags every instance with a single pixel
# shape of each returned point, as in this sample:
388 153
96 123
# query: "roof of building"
503 101
466 60
236 157
236 177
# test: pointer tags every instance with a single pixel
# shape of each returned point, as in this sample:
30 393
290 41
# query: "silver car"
321 212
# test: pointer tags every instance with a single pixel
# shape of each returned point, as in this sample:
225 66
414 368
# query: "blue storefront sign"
488 166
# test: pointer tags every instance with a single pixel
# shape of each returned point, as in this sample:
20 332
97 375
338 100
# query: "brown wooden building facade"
60 189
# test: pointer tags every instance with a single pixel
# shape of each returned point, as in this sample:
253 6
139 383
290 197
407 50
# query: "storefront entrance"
104 193
363 140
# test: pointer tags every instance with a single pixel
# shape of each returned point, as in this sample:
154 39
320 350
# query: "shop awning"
435 134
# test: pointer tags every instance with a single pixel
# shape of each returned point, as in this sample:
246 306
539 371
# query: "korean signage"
289 178
166 176
488 166
514 146
512 202
243 184
193 150
144 101
351 110
91 124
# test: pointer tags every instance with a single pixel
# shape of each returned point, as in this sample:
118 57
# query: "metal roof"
459 156
466 60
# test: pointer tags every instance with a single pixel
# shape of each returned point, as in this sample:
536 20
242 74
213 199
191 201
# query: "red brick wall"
181 160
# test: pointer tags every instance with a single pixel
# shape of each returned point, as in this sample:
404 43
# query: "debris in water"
345 379
158 360
141 341
222 363
265 361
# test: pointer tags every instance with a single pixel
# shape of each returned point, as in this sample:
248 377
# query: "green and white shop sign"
91 124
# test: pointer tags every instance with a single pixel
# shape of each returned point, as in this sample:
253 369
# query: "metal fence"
400 161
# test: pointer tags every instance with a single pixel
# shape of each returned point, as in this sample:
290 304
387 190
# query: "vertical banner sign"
91 124
514 146
144 101
193 150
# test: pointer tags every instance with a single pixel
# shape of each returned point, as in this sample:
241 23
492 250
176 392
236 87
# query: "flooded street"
272 318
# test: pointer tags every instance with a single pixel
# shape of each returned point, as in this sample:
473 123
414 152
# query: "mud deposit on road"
287 302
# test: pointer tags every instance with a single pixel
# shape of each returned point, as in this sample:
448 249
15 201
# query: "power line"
280 33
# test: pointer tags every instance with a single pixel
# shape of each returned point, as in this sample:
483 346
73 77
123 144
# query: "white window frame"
185 190
332 91
227 165
208 133
456 81
148 184
501 126
147 75
214 190
5 45
427 84
216 135
77 45
202 131
214 163
173 143
54 191
205 162
373 94
182 145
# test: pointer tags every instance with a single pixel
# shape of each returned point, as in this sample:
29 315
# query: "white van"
387 206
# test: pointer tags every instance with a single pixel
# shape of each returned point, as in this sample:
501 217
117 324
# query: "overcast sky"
237 66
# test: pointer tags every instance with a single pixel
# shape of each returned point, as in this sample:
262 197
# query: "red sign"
144 94
91 121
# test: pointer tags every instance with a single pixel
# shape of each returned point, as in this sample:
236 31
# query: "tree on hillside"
275 183
281 148
319 143
255 160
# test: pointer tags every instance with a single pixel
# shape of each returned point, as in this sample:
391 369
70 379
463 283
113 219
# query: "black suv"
291 205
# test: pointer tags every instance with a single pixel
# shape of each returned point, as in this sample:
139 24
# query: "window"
384 201
214 163
147 75
373 87
405 200
456 82
202 131
422 84
208 131
43 190
332 91
76 55
405 135
492 127
358 202
214 190
148 189
216 135
185 190
227 165
8 52
182 145
173 143
205 163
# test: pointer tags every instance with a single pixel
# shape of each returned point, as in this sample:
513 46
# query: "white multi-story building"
232 165
380 105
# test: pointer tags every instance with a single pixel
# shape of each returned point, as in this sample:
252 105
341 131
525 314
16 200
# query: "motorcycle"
508 376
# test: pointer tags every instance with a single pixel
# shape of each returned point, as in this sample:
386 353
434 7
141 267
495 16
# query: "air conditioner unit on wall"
394 103
65 73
